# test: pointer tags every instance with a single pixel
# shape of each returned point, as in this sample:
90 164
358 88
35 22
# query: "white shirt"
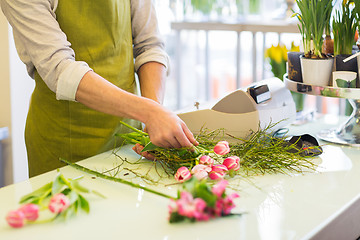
41 44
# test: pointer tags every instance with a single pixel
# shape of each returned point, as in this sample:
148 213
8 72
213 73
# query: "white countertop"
321 205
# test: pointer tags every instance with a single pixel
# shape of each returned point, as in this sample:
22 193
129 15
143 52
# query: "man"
81 54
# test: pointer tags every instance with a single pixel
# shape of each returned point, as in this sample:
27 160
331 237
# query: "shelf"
325 91
347 133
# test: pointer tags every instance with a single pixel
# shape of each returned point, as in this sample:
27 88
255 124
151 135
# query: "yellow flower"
284 52
277 53
351 2
294 48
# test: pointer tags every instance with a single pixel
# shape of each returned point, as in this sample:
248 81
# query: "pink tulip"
219 188
15 219
182 174
218 172
223 206
228 203
206 160
183 204
59 203
31 211
172 206
191 208
199 213
200 171
222 148
232 163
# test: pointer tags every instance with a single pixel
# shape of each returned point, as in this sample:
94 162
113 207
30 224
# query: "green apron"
100 34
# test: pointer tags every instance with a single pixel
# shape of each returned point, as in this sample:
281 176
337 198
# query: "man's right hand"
167 130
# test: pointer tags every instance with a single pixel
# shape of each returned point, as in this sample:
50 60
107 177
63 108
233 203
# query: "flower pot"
316 71
294 66
350 65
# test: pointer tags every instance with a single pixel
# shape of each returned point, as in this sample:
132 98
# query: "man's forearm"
152 77
101 95
165 128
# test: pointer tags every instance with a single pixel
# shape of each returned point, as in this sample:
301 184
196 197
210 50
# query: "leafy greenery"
344 28
264 153
313 17
254 6
260 153
212 205
69 187
177 157
277 56
199 189
204 6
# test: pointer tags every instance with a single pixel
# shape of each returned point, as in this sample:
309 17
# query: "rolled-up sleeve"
43 47
148 44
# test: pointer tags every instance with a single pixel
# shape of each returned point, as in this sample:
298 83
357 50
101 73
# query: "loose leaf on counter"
84 204
78 187
34 196
58 185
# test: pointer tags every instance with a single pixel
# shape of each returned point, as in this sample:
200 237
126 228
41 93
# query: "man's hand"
167 130
138 148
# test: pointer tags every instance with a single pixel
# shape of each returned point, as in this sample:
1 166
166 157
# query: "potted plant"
344 28
316 66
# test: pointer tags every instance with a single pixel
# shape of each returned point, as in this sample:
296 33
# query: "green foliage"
278 69
204 6
69 187
264 153
172 158
314 16
254 6
356 8
200 189
175 217
38 195
260 153
277 56
344 28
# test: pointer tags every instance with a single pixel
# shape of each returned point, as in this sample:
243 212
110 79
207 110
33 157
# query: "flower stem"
41 221
98 174
134 129
44 196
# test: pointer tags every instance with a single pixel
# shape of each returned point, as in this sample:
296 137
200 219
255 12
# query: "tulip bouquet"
196 201
206 166
260 153
62 197
199 202
200 170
